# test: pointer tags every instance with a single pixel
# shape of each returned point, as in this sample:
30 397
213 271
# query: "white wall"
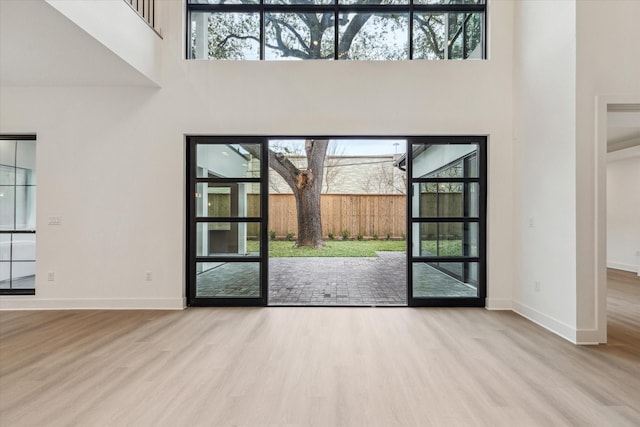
130 39
544 143
623 210
111 160
608 67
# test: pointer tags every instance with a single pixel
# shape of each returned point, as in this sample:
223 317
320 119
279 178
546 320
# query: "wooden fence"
367 214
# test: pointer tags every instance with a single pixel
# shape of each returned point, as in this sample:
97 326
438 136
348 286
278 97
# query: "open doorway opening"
622 230
357 256
388 221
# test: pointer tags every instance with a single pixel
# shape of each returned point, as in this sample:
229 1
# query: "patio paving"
339 280
370 281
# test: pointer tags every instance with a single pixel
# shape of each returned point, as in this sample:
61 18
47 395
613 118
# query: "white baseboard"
588 337
623 267
549 323
10 302
499 304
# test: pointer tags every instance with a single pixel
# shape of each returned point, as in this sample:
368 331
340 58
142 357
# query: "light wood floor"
283 366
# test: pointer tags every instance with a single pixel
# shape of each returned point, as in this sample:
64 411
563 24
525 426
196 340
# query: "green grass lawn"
336 248
447 247
354 248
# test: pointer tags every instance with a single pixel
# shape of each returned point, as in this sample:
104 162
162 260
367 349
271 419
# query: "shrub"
331 236
290 236
359 236
403 236
345 234
272 234
388 236
375 236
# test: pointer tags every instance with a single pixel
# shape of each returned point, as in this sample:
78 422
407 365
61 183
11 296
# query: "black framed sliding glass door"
227 253
446 225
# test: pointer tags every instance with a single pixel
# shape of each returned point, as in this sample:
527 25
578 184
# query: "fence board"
368 214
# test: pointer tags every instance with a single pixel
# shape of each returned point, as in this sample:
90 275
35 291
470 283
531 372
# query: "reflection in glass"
228 160
228 200
444 199
23 275
375 2
225 35
443 160
445 239
228 280
428 36
5 274
23 247
445 279
25 212
447 35
299 35
7 175
305 2
26 163
448 1
227 239
473 199
364 36
7 208
223 1
7 155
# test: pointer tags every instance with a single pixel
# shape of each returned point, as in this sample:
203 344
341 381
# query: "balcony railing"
146 9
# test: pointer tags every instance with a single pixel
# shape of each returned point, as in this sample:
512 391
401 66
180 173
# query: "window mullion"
336 30
409 10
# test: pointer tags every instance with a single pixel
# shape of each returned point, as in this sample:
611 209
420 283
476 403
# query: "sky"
354 147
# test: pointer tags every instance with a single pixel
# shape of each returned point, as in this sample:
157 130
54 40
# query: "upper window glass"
336 29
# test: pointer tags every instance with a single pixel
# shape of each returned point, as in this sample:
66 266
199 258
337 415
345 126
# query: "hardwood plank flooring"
290 366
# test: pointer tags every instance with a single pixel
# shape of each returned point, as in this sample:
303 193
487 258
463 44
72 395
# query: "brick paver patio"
379 281
339 281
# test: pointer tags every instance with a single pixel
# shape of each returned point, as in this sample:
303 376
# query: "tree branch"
279 163
234 36
280 41
427 29
352 30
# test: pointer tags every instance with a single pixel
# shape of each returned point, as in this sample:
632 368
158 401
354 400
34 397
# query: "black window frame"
192 258
337 8
481 219
10 261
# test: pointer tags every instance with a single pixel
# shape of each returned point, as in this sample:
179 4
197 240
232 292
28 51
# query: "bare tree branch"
357 22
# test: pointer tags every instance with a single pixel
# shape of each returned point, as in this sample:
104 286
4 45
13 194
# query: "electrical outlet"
54 220
51 276
536 286
148 276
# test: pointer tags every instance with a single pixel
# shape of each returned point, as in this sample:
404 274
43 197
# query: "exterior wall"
544 142
111 160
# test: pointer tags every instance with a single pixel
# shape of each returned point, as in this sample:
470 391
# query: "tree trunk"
307 193
309 214
306 185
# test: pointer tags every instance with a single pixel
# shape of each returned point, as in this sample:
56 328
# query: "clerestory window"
335 29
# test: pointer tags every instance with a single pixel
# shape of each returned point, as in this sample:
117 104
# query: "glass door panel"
446 252
226 205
